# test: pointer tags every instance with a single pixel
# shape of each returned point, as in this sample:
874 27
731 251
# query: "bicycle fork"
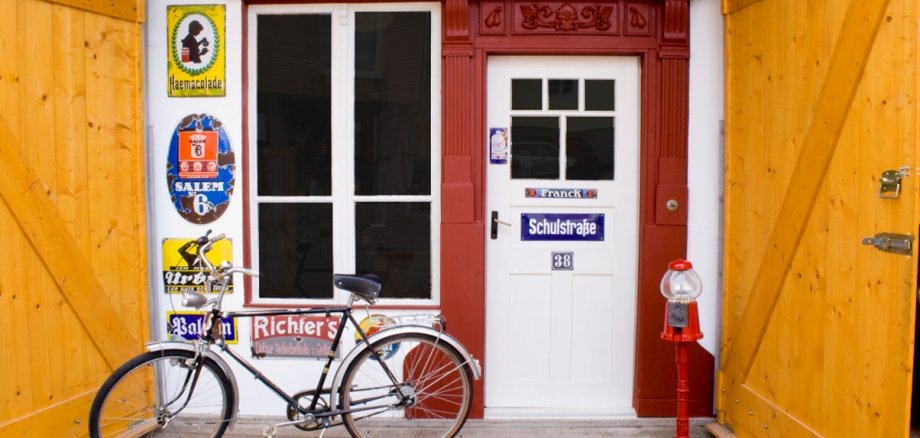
164 416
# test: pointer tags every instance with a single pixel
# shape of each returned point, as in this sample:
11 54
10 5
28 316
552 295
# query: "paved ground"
645 428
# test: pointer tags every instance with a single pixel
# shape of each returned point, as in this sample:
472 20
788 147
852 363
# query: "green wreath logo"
215 49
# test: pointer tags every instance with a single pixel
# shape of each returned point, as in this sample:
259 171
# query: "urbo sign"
562 227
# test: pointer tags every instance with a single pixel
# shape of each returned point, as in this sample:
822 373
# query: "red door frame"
657 31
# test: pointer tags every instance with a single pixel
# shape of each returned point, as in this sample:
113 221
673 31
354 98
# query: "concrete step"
517 428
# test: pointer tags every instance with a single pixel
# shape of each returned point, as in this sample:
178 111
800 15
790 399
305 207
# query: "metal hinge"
891 242
890 182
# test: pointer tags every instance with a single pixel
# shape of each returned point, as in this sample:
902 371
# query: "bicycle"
408 374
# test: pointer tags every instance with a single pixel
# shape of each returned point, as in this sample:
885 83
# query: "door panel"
561 272
73 265
817 328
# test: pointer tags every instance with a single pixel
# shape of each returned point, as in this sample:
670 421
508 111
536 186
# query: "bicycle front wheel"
161 393
431 397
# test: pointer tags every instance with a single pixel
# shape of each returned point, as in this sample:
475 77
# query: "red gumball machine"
681 286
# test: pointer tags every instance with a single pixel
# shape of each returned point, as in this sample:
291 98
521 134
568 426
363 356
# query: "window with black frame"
352 194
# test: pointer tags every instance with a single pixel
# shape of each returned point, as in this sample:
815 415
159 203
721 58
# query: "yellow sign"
197 56
181 270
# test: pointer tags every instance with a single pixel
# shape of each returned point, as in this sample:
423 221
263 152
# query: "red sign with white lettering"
300 336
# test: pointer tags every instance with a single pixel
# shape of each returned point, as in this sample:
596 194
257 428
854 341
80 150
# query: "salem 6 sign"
199 169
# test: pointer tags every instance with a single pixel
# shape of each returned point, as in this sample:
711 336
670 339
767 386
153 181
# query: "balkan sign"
199 169
562 227
187 325
197 65
301 336
181 270
560 193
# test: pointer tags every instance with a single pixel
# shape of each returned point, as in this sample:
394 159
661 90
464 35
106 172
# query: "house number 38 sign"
563 261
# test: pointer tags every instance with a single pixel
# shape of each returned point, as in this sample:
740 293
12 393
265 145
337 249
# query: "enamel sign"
562 227
299 336
181 270
539 192
199 169
187 325
196 50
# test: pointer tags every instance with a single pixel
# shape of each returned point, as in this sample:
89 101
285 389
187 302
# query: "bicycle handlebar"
204 245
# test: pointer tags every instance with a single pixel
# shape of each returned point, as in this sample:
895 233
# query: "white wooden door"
562 177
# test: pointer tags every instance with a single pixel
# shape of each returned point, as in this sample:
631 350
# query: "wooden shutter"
73 253
818 328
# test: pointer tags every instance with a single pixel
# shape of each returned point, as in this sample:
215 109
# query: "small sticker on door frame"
498 145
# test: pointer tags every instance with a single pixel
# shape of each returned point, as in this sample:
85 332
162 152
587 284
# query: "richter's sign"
301 336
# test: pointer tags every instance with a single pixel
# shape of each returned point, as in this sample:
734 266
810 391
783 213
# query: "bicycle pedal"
269 431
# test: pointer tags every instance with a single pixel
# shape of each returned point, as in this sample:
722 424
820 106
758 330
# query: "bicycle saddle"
365 286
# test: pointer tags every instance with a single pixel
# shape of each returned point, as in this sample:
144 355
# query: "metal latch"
890 183
891 242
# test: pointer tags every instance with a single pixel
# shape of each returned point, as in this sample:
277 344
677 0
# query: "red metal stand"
681 337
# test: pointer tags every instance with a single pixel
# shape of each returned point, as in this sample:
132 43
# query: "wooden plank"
67 418
732 6
14 397
36 135
719 431
129 10
25 195
71 200
762 417
844 74
111 159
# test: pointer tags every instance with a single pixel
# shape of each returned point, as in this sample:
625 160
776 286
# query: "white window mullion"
252 165
343 185
436 155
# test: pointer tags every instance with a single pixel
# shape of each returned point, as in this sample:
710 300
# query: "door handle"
495 223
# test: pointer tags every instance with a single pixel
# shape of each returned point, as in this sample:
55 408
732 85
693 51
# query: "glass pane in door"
535 147
589 148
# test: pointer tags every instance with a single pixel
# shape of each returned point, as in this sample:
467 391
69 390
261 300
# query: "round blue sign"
199 169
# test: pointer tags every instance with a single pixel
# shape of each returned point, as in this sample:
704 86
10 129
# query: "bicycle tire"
433 398
127 405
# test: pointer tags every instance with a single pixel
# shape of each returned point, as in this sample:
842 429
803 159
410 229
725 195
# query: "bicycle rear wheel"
150 396
431 399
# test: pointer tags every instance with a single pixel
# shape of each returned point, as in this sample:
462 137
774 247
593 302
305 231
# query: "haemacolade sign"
562 227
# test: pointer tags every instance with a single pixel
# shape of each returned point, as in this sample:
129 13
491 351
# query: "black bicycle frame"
347 316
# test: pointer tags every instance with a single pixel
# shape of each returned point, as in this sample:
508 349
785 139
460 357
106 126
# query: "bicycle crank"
307 421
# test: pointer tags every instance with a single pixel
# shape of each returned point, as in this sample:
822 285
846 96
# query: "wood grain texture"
817 328
73 270
128 10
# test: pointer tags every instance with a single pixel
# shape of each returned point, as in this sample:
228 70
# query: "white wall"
704 237
163 114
